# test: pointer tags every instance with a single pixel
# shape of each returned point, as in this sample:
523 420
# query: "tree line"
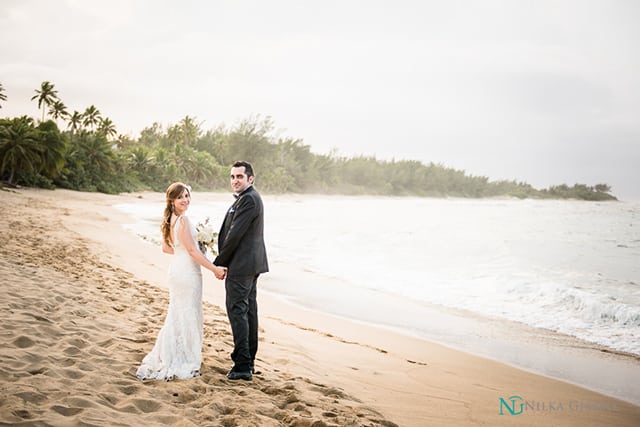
83 151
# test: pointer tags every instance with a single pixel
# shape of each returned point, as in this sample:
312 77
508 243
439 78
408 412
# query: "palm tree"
107 127
140 160
58 110
174 135
124 142
97 152
75 122
201 167
3 97
91 117
45 96
54 147
190 130
164 167
19 147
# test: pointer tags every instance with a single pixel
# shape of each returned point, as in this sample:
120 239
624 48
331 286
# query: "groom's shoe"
240 375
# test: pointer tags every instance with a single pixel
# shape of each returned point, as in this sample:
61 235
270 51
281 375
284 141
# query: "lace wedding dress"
177 352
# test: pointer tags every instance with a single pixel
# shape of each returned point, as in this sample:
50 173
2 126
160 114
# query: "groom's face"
239 179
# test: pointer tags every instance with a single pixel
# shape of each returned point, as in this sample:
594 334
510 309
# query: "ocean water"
566 266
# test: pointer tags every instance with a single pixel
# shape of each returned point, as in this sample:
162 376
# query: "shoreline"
535 350
410 381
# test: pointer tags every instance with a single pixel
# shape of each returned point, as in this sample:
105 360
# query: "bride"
177 352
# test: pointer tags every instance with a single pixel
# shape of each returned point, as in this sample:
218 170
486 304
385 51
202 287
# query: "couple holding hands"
241 258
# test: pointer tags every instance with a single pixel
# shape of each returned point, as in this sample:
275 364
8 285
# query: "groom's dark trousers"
242 309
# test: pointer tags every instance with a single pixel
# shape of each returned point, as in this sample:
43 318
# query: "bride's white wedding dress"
178 351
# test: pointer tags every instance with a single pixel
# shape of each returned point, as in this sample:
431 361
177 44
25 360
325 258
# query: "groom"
241 249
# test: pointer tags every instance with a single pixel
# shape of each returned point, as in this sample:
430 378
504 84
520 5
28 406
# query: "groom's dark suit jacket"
241 241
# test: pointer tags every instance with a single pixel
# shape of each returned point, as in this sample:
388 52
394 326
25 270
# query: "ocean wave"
583 313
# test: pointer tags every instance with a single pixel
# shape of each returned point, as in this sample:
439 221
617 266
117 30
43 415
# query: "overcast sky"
546 92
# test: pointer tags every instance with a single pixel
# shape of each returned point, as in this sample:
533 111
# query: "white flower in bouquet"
206 237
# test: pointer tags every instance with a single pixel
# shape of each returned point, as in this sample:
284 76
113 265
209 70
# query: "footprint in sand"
37 371
130 409
72 351
302 409
23 342
223 409
77 342
67 362
290 399
106 344
129 389
24 414
67 412
77 402
86 367
32 397
73 374
334 393
274 390
79 313
146 405
108 399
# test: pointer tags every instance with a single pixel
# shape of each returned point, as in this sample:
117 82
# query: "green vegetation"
88 156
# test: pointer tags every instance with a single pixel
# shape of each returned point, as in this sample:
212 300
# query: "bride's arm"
184 235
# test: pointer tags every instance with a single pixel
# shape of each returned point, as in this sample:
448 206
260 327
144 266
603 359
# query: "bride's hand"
220 272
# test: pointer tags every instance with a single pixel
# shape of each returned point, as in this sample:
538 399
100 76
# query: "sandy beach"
83 300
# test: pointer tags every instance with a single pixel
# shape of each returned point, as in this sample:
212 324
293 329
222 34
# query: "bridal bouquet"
207 237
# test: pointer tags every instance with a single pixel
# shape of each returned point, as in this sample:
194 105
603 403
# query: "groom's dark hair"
247 167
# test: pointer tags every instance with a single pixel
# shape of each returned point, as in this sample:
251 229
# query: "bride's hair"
173 192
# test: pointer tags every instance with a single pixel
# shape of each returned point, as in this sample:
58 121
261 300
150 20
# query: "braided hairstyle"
173 192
